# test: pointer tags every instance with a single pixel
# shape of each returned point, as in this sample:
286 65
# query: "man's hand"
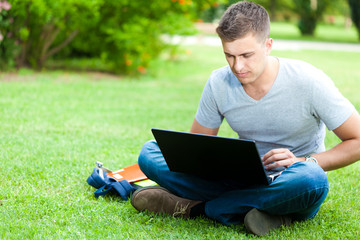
280 157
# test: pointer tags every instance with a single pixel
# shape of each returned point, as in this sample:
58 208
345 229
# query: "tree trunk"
355 14
21 58
273 6
48 40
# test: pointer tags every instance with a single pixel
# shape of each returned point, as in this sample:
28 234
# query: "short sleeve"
208 114
328 103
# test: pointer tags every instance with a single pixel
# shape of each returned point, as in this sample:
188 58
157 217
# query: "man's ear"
268 45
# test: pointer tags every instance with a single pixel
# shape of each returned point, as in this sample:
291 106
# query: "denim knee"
307 176
311 175
145 153
314 181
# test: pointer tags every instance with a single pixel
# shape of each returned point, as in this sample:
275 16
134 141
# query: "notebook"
212 157
130 173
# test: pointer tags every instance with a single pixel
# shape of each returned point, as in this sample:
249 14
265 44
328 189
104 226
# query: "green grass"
323 32
55 125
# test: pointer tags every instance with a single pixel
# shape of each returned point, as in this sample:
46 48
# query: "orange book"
131 173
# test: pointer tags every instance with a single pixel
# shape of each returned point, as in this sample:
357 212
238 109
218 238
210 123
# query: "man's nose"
238 64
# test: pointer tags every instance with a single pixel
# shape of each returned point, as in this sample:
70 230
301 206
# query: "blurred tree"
132 30
8 48
275 8
41 28
337 7
125 34
310 11
355 14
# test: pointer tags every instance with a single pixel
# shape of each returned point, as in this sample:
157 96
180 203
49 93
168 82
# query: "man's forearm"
343 154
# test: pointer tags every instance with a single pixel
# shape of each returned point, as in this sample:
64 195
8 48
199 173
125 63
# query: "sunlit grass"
323 32
55 125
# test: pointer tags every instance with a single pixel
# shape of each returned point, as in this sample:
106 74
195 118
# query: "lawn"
323 32
55 125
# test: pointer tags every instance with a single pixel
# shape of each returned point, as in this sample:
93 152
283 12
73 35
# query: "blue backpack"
108 185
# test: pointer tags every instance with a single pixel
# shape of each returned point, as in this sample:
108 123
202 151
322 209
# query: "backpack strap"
105 184
123 188
102 191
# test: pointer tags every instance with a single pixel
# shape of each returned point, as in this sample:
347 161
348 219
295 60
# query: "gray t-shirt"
293 114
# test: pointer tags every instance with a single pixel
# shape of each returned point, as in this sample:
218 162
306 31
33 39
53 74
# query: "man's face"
247 57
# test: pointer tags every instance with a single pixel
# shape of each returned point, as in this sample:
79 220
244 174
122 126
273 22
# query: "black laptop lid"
212 157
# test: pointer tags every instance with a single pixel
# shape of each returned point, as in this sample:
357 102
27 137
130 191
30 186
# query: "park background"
85 81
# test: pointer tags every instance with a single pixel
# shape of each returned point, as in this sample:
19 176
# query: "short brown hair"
241 18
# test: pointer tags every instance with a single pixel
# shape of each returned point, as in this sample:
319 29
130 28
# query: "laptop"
212 157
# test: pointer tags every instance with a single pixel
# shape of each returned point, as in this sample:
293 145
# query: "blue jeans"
298 191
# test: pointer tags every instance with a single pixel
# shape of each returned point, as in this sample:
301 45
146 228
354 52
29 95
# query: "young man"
282 104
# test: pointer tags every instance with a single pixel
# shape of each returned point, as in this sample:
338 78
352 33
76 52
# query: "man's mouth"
242 74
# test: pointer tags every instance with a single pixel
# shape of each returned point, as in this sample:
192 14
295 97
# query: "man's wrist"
309 158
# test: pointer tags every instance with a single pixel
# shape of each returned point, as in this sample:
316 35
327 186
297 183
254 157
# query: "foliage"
279 10
41 28
125 34
282 9
310 12
8 47
355 13
337 8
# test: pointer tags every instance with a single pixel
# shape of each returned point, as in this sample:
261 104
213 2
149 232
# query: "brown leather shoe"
160 201
260 223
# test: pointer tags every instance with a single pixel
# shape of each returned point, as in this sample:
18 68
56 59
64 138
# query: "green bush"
41 28
125 34
310 11
8 46
128 33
